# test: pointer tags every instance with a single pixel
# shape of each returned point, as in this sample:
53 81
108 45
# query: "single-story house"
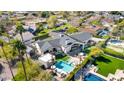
68 44
75 21
27 37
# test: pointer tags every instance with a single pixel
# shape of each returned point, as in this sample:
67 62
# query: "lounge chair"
64 72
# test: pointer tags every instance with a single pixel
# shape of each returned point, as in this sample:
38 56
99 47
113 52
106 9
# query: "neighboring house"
30 27
109 23
91 29
75 21
27 37
68 44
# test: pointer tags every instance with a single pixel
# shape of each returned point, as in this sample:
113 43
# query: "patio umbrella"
53 67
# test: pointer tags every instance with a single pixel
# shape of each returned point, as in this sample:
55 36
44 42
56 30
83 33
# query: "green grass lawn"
105 37
65 58
54 29
108 64
96 22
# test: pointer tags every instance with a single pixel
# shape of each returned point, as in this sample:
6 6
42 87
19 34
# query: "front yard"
108 64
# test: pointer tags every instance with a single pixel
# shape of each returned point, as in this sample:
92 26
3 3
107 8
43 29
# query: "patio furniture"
63 75
64 72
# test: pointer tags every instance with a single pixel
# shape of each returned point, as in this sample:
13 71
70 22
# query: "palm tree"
20 30
1 45
21 49
4 33
2 29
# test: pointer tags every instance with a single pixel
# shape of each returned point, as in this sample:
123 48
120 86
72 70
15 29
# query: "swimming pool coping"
101 76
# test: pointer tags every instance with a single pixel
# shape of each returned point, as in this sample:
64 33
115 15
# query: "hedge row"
46 35
113 53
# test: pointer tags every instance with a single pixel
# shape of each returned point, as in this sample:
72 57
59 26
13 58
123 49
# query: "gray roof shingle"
82 37
62 41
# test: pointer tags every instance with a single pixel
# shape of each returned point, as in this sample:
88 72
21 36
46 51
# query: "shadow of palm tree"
1 68
101 59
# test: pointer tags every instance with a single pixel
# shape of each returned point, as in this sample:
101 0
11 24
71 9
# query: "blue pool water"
92 77
64 66
115 41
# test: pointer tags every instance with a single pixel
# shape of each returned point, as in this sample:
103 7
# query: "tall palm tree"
1 45
2 29
21 49
21 30
4 33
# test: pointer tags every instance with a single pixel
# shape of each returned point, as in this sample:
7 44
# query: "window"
69 43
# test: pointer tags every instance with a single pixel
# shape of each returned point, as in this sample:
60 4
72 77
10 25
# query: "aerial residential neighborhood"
62 46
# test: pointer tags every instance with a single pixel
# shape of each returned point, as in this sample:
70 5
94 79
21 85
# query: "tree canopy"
45 14
52 21
72 30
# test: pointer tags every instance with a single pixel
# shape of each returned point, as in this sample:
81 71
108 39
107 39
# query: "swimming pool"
115 41
64 66
92 77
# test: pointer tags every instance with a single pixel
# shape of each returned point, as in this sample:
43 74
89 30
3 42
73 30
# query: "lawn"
64 58
105 37
54 29
96 22
108 64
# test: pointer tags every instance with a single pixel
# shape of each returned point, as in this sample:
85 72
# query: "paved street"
6 74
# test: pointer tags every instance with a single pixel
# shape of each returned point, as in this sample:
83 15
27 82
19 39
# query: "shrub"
42 36
45 14
96 22
72 30
113 53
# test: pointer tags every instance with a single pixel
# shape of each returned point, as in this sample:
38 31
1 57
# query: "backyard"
108 64
64 58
